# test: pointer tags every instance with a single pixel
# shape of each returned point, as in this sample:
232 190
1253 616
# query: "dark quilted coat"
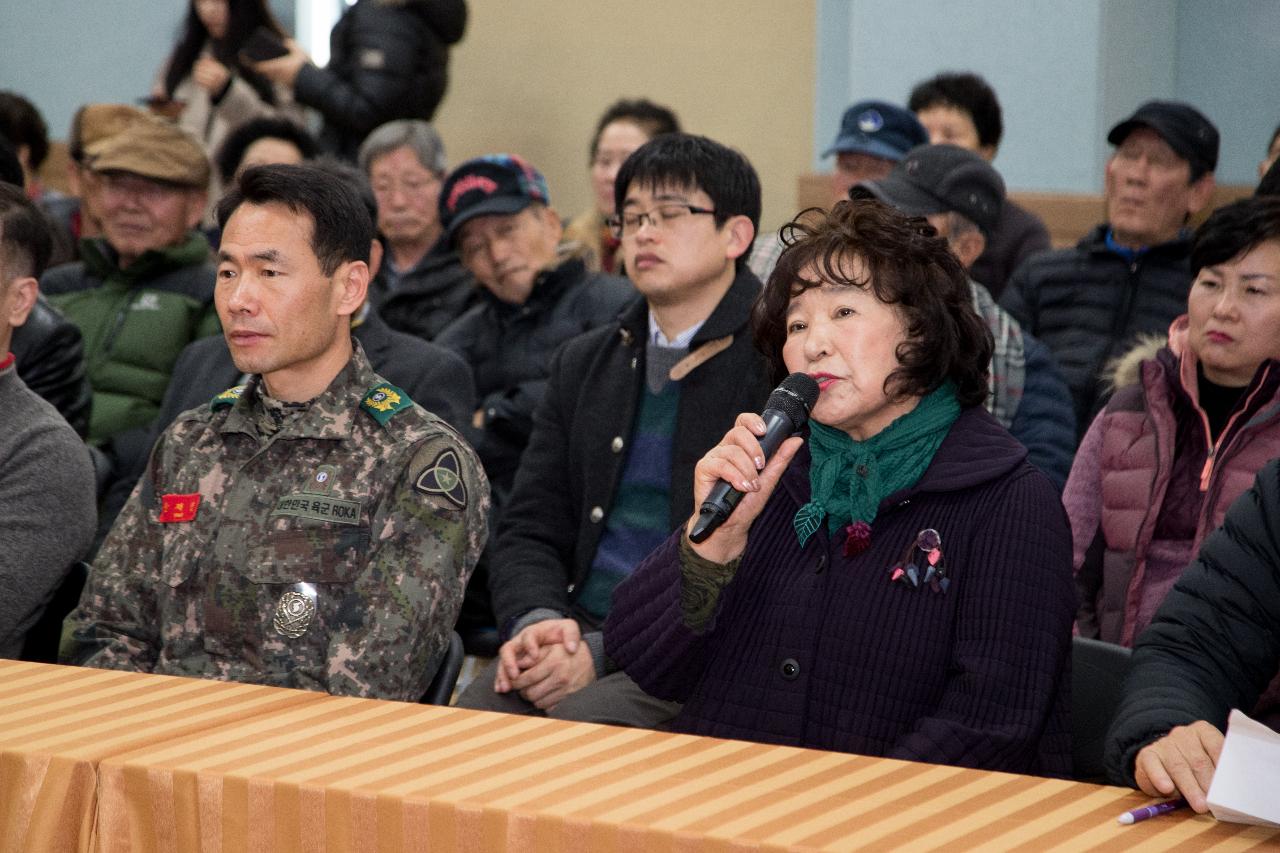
388 59
811 648
1088 305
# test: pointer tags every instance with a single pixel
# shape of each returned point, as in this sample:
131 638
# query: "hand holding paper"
1248 774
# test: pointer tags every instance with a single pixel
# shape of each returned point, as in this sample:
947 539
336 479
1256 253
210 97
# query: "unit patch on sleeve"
443 478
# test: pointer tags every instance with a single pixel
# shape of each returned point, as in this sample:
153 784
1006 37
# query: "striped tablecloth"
350 774
57 723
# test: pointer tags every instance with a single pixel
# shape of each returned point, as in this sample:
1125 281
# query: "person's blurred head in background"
874 135
961 109
623 128
24 127
405 164
263 141
90 125
153 184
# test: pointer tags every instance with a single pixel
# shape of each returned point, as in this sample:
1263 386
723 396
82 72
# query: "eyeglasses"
663 217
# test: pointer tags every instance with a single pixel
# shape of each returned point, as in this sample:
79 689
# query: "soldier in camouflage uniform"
313 528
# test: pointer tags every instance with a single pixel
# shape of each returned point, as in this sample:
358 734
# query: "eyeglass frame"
617 222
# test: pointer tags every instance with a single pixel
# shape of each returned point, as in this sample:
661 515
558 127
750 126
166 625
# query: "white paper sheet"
1246 782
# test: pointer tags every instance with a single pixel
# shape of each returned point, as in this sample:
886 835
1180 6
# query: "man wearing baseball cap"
144 289
1130 275
962 196
496 213
874 135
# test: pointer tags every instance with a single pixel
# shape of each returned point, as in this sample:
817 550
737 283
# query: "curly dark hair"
907 265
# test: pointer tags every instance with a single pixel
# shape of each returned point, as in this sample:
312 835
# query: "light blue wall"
1065 71
1040 55
64 53
1229 66
1136 63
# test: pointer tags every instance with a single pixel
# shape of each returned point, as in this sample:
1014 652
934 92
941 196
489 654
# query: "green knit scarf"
848 479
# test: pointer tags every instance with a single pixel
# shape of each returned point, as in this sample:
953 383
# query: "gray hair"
416 135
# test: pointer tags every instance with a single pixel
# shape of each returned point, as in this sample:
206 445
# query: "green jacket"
135 322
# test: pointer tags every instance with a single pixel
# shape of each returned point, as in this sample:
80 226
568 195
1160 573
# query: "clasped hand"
545 662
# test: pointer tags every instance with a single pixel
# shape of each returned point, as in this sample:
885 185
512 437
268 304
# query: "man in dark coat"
1130 275
1213 645
387 60
629 409
421 286
497 216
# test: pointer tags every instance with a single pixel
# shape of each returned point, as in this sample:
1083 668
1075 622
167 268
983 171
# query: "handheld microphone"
784 415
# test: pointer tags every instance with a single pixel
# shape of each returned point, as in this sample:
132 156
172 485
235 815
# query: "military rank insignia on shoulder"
227 398
383 401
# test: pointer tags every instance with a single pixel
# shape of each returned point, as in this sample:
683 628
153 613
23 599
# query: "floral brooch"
857 538
922 564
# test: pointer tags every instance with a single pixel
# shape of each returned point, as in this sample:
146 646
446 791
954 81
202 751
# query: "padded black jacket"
1088 305
50 359
388 60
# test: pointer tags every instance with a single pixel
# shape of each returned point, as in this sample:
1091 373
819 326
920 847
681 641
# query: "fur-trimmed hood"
1125 369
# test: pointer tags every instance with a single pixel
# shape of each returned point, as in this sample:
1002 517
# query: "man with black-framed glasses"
629 408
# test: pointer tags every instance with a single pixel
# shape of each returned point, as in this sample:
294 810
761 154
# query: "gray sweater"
47 506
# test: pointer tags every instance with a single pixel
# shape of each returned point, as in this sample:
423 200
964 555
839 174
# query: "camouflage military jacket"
328 552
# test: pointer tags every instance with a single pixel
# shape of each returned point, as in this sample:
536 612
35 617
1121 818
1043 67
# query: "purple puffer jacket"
1122 475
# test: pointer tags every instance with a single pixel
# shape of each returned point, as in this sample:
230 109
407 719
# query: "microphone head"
795 398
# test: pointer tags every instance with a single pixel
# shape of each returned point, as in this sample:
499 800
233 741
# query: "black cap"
880 129
941 179
496 184
1185 128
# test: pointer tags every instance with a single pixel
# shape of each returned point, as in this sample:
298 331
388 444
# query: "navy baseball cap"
941 179
493 184
880 129
1192 136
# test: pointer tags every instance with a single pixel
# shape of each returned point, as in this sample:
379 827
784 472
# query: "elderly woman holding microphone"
896 580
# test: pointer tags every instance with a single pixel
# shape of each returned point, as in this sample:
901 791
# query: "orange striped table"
352 774
58 722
